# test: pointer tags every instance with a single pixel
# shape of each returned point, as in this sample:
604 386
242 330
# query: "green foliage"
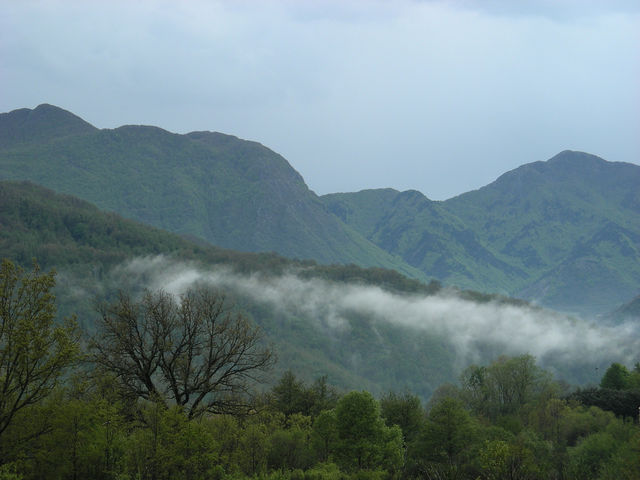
617 377
515 459
230 192
8 472
166 445
324 436
291 396
34 351
623 403
363 441
405 411
443 444
563 231
325 471
253 448
601 454
89 433
290 448
505 386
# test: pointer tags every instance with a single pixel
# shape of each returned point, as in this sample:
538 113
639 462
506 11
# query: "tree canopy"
34 350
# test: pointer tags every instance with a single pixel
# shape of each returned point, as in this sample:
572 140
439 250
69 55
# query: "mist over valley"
327 240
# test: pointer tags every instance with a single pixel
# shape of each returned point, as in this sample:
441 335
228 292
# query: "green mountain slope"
628 312
364 328
86 246
573 223
425 235
564 232
230 192
25 126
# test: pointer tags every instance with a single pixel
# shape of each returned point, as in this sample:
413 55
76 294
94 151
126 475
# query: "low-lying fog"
508 329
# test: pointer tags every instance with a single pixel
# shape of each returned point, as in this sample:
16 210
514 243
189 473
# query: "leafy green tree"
290 395
504 386
623 403
35 351
253 448
616 448
226 432
624 464
444 442
324 396
405 411
514 460
364 441
616 377
587 458
85 440
290 447
324 436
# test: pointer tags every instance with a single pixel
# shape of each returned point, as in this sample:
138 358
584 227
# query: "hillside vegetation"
230 192
88 247
564 233
339 321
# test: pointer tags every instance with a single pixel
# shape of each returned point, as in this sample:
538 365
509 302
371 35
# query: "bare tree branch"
195 352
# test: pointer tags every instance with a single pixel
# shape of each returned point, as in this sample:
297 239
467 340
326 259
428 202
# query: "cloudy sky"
437 96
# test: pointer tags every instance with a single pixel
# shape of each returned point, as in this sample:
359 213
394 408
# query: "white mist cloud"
507 329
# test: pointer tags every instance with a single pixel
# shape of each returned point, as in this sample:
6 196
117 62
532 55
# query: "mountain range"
564 233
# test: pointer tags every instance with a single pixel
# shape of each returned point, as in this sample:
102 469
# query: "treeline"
166 389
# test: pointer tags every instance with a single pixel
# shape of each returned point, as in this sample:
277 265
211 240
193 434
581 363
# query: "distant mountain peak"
573 156
48 112
43 123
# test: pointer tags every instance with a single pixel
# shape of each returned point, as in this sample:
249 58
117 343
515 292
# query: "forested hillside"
572 222
121 405
426 235
230 192
91 250
365 328
564 233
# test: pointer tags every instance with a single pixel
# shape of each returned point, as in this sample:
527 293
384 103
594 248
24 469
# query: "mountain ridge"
231 192
562 232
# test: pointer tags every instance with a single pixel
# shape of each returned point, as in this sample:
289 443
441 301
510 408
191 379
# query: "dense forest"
168 389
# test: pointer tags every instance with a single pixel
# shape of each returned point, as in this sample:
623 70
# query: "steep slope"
565 232
628 312
573 223
41 124
425 235
230 192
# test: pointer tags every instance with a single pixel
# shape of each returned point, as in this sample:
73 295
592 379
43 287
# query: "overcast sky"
441 97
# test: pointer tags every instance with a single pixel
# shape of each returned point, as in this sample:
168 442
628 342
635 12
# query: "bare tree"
195 351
